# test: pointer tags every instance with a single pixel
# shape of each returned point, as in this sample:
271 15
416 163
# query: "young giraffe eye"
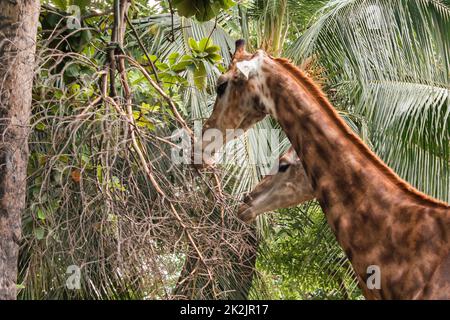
283 167
221 88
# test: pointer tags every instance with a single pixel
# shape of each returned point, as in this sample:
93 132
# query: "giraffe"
381 222
287 185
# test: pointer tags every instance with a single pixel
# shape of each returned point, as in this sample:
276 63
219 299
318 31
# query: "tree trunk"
18 28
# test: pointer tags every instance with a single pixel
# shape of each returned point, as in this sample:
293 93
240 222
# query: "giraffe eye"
283 167
221 88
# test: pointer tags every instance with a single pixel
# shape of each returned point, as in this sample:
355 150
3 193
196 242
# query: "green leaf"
172 58
214 57
89 51
184 63
73 70
83 4
221 68
200 75
203 10
162 66
58 94
99 173
20 286
115 184
74 88
39 233
193 44
41 214
40 126
212 49
146 108
60 4
204 44
184 8
85 160
152 57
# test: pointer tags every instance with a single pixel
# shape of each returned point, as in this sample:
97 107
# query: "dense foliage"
104 196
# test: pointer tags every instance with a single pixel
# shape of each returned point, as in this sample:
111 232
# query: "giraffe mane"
312 88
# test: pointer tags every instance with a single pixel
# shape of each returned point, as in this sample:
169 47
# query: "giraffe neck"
373 213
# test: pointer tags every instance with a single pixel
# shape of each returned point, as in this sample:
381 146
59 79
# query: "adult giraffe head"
287 186
242 100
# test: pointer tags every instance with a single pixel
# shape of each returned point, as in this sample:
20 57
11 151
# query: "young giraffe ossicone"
378 219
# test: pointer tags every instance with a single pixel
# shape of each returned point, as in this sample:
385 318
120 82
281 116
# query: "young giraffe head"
242 100
286 187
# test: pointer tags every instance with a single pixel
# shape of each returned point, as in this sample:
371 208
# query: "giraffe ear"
291 155
250 67
245 67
